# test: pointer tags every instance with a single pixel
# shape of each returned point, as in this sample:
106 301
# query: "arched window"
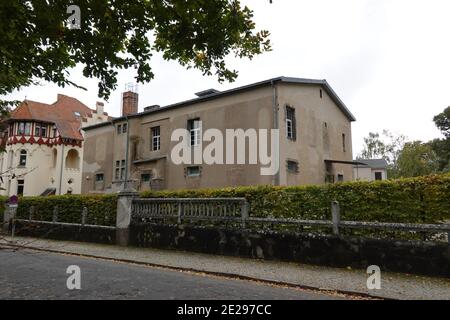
23 158
72 159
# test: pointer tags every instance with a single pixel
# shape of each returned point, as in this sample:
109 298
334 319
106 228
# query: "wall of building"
368 174
320 125
98 158
42 169
244 110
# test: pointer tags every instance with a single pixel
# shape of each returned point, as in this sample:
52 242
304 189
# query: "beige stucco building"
315 142
44 147
370 170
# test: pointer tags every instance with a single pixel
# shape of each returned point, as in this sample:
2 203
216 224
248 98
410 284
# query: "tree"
442 146
442 121
38 44
385 146
416 159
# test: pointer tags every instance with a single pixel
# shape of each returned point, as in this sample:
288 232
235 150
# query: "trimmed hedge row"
411 200
101 208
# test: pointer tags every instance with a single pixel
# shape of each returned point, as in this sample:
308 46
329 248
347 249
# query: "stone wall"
65 232
398 256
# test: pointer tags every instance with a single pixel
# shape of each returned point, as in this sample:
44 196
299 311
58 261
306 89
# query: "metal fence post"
336 217
84 215
244 212
55 214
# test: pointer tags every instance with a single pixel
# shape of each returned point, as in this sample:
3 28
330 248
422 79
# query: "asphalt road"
28 274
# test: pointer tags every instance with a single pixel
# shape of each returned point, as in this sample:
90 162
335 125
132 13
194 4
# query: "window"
194 129
124 128
146 177
156 139
54 131
99 177
291 130
20 187
340 178
76 113
119 129
44 130
27 130
292 166
378 176
21 128
23 158
343 143
37 130
117 175
120 170
193 171
321 94
99 184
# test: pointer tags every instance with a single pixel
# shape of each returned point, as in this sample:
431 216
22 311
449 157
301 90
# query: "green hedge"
412 200
101 208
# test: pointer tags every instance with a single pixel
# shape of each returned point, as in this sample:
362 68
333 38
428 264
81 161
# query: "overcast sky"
388 60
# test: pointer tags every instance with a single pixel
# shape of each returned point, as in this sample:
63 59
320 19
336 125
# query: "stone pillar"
8 215
123 218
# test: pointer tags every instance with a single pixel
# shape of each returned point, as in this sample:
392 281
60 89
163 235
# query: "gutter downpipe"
62 166
276 178
126 153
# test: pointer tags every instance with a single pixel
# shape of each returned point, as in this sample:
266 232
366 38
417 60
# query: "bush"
412 200
101 208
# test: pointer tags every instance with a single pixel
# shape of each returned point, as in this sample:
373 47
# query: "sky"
388 60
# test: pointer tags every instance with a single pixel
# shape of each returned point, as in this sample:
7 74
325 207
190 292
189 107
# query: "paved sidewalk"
394 285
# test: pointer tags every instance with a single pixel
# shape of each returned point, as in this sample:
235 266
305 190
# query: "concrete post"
55 214
31 216
123 218
244 213
84 216
9 215
336 217
180 212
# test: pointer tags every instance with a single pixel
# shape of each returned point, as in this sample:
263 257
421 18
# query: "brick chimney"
130 101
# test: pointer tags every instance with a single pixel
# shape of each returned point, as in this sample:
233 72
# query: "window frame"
20 185
290 169
375 175
21 128
98 175
291 123
193 175
23 158
156 138
194 132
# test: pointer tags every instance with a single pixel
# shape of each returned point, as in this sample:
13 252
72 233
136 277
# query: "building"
315 143
44 147
370 170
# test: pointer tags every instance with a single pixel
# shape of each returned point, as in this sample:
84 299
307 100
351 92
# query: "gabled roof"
215 95
61 113
373 163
